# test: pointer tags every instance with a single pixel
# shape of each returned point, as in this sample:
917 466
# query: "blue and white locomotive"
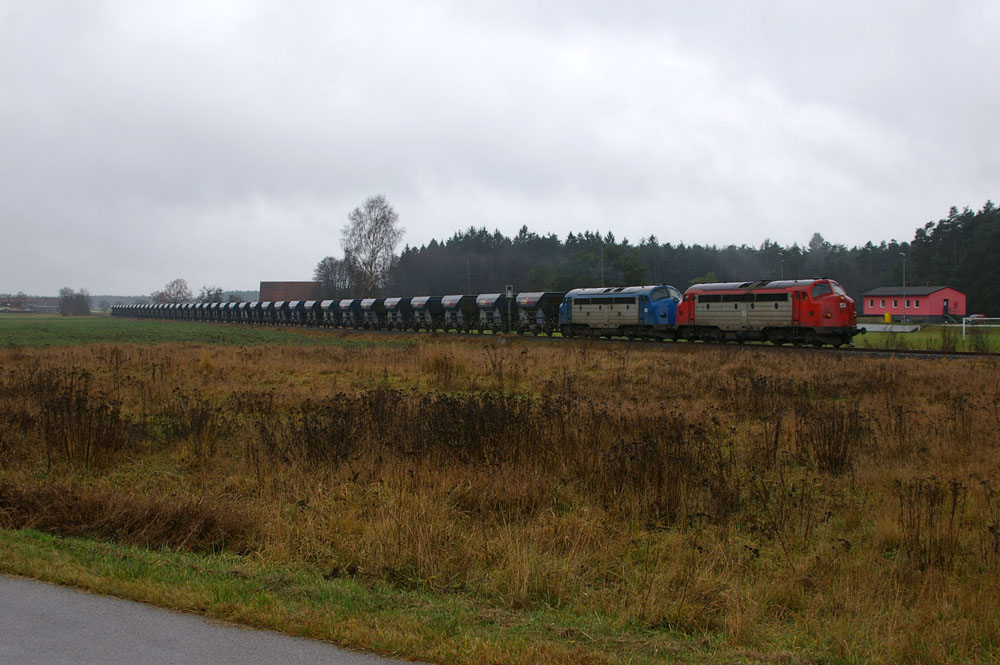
620 311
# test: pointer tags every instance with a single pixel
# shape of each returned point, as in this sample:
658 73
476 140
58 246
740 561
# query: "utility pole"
602 262
903 254
510 302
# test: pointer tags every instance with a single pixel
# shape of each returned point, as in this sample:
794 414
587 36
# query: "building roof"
909 291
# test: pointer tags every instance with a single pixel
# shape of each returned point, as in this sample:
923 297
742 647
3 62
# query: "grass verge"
348 612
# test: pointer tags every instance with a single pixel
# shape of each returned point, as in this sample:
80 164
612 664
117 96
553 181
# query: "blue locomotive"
621 311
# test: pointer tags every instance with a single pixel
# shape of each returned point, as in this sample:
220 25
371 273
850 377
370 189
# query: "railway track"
646 343
803 348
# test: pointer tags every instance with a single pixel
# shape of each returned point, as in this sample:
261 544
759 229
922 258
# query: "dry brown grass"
842 506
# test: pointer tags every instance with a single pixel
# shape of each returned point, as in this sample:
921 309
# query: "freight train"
801 311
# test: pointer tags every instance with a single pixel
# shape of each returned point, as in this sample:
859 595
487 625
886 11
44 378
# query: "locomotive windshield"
820 289
665 292
838 289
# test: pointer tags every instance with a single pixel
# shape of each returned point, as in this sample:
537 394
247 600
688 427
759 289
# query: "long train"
802 311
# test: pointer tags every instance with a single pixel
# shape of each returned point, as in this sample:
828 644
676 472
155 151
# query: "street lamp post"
903 254
781 262
602 262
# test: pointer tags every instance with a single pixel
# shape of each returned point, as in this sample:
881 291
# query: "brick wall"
271 291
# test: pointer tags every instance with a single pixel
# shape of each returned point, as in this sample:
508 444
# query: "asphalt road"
45 624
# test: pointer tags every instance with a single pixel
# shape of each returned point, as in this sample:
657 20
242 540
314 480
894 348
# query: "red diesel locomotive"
801 311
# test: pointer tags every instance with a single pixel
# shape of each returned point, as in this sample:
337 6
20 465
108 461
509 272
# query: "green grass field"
980 339
46 330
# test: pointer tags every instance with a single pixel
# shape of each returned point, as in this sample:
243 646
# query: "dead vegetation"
844 505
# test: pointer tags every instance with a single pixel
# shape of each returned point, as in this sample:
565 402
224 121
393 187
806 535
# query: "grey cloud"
225 143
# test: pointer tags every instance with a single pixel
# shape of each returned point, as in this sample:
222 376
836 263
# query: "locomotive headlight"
827 315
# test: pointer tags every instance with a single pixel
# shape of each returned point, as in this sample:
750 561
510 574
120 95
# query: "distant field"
45 330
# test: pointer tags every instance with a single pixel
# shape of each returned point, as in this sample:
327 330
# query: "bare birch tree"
369 242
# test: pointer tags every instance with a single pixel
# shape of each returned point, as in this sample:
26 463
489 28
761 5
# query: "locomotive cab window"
820 289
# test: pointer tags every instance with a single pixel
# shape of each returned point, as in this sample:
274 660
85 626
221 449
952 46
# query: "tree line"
958 251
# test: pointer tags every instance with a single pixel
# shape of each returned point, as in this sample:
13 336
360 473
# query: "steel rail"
767 346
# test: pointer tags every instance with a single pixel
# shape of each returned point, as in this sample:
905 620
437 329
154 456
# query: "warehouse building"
919 304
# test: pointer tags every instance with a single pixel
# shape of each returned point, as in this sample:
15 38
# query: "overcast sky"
226 142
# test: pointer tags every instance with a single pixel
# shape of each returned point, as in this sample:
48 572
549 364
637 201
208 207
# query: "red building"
920 304
272 291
